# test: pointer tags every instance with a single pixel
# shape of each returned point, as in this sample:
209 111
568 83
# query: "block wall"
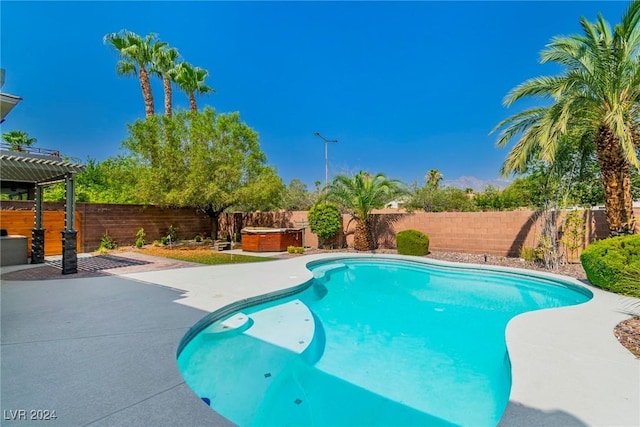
492 233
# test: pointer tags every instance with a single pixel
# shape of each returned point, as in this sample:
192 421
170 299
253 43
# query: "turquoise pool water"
371 342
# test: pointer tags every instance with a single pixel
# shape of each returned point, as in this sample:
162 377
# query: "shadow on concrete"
519 415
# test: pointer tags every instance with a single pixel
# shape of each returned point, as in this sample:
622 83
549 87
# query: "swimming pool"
370 342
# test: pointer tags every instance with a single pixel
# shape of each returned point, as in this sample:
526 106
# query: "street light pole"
326 156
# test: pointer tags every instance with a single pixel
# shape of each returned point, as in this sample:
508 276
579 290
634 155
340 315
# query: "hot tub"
263 239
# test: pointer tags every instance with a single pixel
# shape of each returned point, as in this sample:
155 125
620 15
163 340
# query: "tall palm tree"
164 66
434 177
359 195
191 80
136 56
596 98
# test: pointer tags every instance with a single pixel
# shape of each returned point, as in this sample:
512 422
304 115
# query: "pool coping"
567 366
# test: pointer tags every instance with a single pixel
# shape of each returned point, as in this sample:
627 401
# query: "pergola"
29 171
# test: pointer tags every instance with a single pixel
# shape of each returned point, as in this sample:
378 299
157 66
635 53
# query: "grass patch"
201 255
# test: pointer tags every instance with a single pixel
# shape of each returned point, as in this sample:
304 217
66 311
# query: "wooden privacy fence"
94 220
21 223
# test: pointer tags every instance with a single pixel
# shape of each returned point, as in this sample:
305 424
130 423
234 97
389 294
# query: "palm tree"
595 99
191 80
434 177
359 195
164 66
136 54
17 139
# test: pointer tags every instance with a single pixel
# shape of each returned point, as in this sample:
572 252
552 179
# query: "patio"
101 351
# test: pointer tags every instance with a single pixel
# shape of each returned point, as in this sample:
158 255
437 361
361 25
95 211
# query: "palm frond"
361 193
517 124
126 69
544 86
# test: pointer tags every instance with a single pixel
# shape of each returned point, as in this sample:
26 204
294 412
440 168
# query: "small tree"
296 197
140 235
573 237
203 160
326 221
359 195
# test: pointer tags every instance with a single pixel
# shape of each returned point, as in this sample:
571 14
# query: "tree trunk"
362 238
168 102
192 103
146 92
214 214
549 237
616 180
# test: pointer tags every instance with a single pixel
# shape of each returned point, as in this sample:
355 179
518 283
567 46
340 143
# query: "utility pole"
326 156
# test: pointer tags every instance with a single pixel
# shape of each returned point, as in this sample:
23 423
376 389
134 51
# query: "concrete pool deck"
101 351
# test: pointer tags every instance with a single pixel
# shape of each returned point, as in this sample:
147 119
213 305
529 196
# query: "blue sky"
405 87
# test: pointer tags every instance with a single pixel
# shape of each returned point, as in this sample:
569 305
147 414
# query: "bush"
295 249
612 264
325 220
172 233
412 242
140 235
197 238
107 243
529 254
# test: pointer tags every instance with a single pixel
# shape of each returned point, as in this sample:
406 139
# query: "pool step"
321 271
290 325
234 324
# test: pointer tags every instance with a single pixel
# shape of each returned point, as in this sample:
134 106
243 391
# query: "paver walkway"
95 266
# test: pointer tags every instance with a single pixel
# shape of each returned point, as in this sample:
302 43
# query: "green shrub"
172 233
629 283
325 220
140 235
295 249
412 242
197 238
613 264
529 254
164 240
107 242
